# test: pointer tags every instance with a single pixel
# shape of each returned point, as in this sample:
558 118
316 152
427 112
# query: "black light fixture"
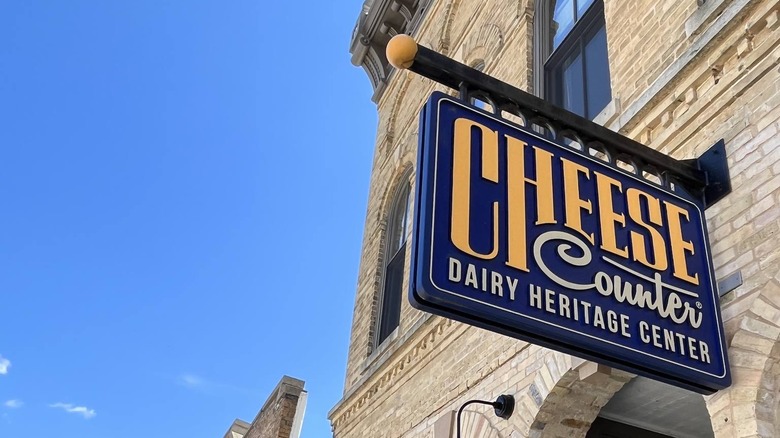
503 407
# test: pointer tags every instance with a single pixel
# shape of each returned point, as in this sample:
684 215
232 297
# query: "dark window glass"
597 73
582 7
565 15
572 97
577 72
563 20
391 298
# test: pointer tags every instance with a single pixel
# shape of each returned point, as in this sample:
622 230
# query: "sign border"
420 298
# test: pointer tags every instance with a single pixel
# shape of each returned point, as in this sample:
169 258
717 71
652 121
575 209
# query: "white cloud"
203 385
80 410
191 381
13 404
4 365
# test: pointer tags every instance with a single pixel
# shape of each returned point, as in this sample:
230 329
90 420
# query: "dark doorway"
647 408
603 428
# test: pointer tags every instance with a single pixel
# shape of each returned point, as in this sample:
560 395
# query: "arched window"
399 223
572 44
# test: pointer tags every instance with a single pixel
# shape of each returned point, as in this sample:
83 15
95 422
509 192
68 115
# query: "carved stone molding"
379 21
483 45
352 404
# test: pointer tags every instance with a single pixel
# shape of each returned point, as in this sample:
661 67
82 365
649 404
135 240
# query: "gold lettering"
607 216
461 183
574 204
516 183
679 245
639 248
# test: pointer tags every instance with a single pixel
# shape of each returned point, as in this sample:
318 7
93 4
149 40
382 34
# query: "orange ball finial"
401 50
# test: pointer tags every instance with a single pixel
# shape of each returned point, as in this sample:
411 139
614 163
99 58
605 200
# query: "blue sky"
183 188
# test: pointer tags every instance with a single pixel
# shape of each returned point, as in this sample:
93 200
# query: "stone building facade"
281 415
682 74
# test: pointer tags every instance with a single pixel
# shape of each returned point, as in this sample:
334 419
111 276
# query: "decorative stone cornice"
379 21
379 382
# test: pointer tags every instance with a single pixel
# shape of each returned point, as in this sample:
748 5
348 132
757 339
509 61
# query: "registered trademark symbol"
698 304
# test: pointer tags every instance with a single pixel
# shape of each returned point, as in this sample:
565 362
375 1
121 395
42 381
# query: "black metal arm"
705 178
503 407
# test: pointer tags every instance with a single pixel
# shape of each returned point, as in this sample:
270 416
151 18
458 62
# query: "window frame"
398 224
591 21
584 29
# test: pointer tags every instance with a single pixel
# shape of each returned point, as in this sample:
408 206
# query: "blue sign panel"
538 241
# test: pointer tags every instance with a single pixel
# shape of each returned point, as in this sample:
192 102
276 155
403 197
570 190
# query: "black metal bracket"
705 178
715 165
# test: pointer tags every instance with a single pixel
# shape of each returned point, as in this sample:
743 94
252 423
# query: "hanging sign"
521 236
